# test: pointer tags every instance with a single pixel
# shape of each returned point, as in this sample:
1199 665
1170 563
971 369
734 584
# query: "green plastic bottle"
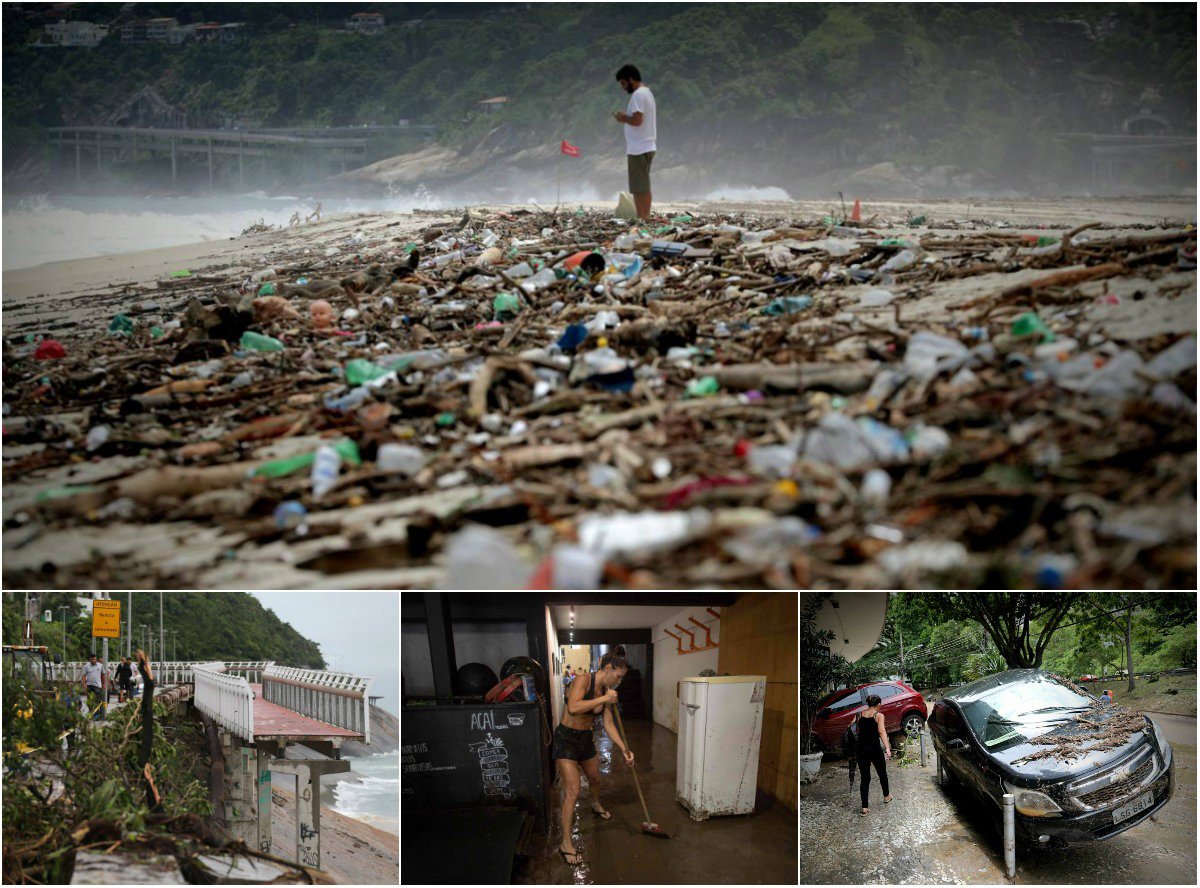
267 289
121 325
260 343
1029 324
360 370
702 387
505 306
281 468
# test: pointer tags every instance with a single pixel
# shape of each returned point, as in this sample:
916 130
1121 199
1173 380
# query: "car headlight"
1032 803
1164 748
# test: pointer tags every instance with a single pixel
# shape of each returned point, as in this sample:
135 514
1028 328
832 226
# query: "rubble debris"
705 400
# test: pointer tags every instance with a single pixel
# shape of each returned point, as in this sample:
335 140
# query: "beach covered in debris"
999 393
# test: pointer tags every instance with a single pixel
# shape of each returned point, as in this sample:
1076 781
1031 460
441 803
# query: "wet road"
755 849
930 836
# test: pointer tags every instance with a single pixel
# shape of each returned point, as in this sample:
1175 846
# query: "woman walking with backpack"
873 748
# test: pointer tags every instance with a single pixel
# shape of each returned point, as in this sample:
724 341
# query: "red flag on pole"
568 149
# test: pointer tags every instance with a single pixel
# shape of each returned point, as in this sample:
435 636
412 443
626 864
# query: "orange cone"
856 213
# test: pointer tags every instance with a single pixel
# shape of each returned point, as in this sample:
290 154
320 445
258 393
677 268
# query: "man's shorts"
639 172
573 744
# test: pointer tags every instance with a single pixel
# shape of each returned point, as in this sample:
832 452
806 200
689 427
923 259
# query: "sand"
352 852
69 297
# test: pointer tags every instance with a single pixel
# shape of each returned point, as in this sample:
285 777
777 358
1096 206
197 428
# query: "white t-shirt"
641 139
92 674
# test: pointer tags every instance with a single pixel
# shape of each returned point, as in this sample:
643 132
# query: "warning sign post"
106 618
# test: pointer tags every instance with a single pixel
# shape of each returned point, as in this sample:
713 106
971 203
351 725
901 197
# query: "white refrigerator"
720 726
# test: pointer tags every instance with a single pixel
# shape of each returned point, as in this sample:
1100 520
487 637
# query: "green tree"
1009 618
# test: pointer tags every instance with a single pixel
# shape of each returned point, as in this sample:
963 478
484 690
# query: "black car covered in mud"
1080 769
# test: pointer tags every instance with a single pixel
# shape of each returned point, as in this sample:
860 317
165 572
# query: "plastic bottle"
121 325
360 370
625 242
258 342
786 305
633 267
1170 362
521 270
327 463
506 305
351 400
902 261
281 468
400 459
97 437
291 515
928 354
1029 324
876 488
575 567
702 387
539 281
479 557
771 461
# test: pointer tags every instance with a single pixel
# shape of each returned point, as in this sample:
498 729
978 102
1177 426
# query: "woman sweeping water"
873 748
574 748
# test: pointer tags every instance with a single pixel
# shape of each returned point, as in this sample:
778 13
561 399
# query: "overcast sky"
359 632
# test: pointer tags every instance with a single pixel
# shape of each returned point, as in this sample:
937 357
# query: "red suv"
903 709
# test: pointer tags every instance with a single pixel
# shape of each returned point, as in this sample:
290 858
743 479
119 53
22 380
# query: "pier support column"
241 790
265 808
308 804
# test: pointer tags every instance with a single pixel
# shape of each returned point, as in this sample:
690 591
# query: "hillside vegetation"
984 86
210 626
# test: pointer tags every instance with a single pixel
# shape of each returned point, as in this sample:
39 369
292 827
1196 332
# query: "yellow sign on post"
106 618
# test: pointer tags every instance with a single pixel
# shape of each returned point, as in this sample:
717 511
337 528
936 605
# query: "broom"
648 827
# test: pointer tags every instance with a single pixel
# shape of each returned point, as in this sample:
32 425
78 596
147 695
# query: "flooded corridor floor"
759 848
927 836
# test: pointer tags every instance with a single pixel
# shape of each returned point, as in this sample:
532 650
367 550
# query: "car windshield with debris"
1044 725
1023 710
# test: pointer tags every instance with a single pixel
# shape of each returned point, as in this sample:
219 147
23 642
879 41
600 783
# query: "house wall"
670 666
759 636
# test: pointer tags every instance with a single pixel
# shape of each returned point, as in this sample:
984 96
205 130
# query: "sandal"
888 799
864 812
565 854
603 815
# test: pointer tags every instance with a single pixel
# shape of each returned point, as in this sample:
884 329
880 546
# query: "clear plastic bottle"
539 281
327 463
402 459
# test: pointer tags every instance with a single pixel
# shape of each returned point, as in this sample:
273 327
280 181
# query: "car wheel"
913 725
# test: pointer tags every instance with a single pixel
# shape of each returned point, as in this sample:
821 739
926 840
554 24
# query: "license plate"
1137 806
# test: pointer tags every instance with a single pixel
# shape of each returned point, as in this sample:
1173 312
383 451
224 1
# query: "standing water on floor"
373 796
53 228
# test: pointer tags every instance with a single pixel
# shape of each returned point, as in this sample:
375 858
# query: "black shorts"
573 744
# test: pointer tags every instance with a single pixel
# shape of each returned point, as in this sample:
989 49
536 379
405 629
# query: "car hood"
1054 768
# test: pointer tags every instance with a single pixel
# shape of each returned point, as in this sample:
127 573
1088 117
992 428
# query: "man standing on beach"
641 134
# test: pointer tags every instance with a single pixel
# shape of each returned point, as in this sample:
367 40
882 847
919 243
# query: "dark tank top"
868 736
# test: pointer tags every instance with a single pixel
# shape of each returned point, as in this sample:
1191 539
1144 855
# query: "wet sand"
352 852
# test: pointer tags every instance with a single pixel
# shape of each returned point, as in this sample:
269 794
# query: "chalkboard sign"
472 755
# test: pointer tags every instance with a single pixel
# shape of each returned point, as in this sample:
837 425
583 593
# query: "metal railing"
173 672
251 670
335 698
226 699
169 673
